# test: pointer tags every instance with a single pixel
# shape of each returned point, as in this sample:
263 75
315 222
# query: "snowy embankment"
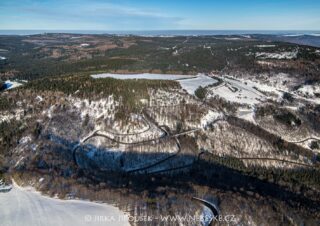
189 83
24 206
4 187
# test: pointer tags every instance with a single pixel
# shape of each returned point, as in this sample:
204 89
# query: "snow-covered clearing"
24 206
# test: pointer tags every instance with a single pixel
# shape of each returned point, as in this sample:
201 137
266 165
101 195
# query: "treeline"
281 115
5 104
297 177
31 69
10 133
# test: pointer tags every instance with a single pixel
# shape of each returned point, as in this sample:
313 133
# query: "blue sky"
160 14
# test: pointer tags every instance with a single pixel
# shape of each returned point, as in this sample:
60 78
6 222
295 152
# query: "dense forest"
130 92
51 55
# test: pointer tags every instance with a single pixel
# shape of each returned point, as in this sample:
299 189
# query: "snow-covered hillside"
26 207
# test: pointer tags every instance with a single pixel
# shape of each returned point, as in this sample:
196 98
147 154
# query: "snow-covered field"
189 83
141 76
237 91
25 207
193 83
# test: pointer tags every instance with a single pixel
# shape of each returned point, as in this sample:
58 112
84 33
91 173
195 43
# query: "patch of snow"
293 35
262 62
265 46
33 147
279 56
164 48
39 98
144 101
84 45
4 187
12 84
210 117
315 34
7 116
309 90
246 36
50 110
25 140
175 53
2 58
232 39
247 114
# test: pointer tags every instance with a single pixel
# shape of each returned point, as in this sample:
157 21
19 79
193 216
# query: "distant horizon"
159 32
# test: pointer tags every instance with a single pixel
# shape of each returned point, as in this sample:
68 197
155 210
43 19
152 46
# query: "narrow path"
166 135
261 159
158 162
275 159
132 134
304 140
